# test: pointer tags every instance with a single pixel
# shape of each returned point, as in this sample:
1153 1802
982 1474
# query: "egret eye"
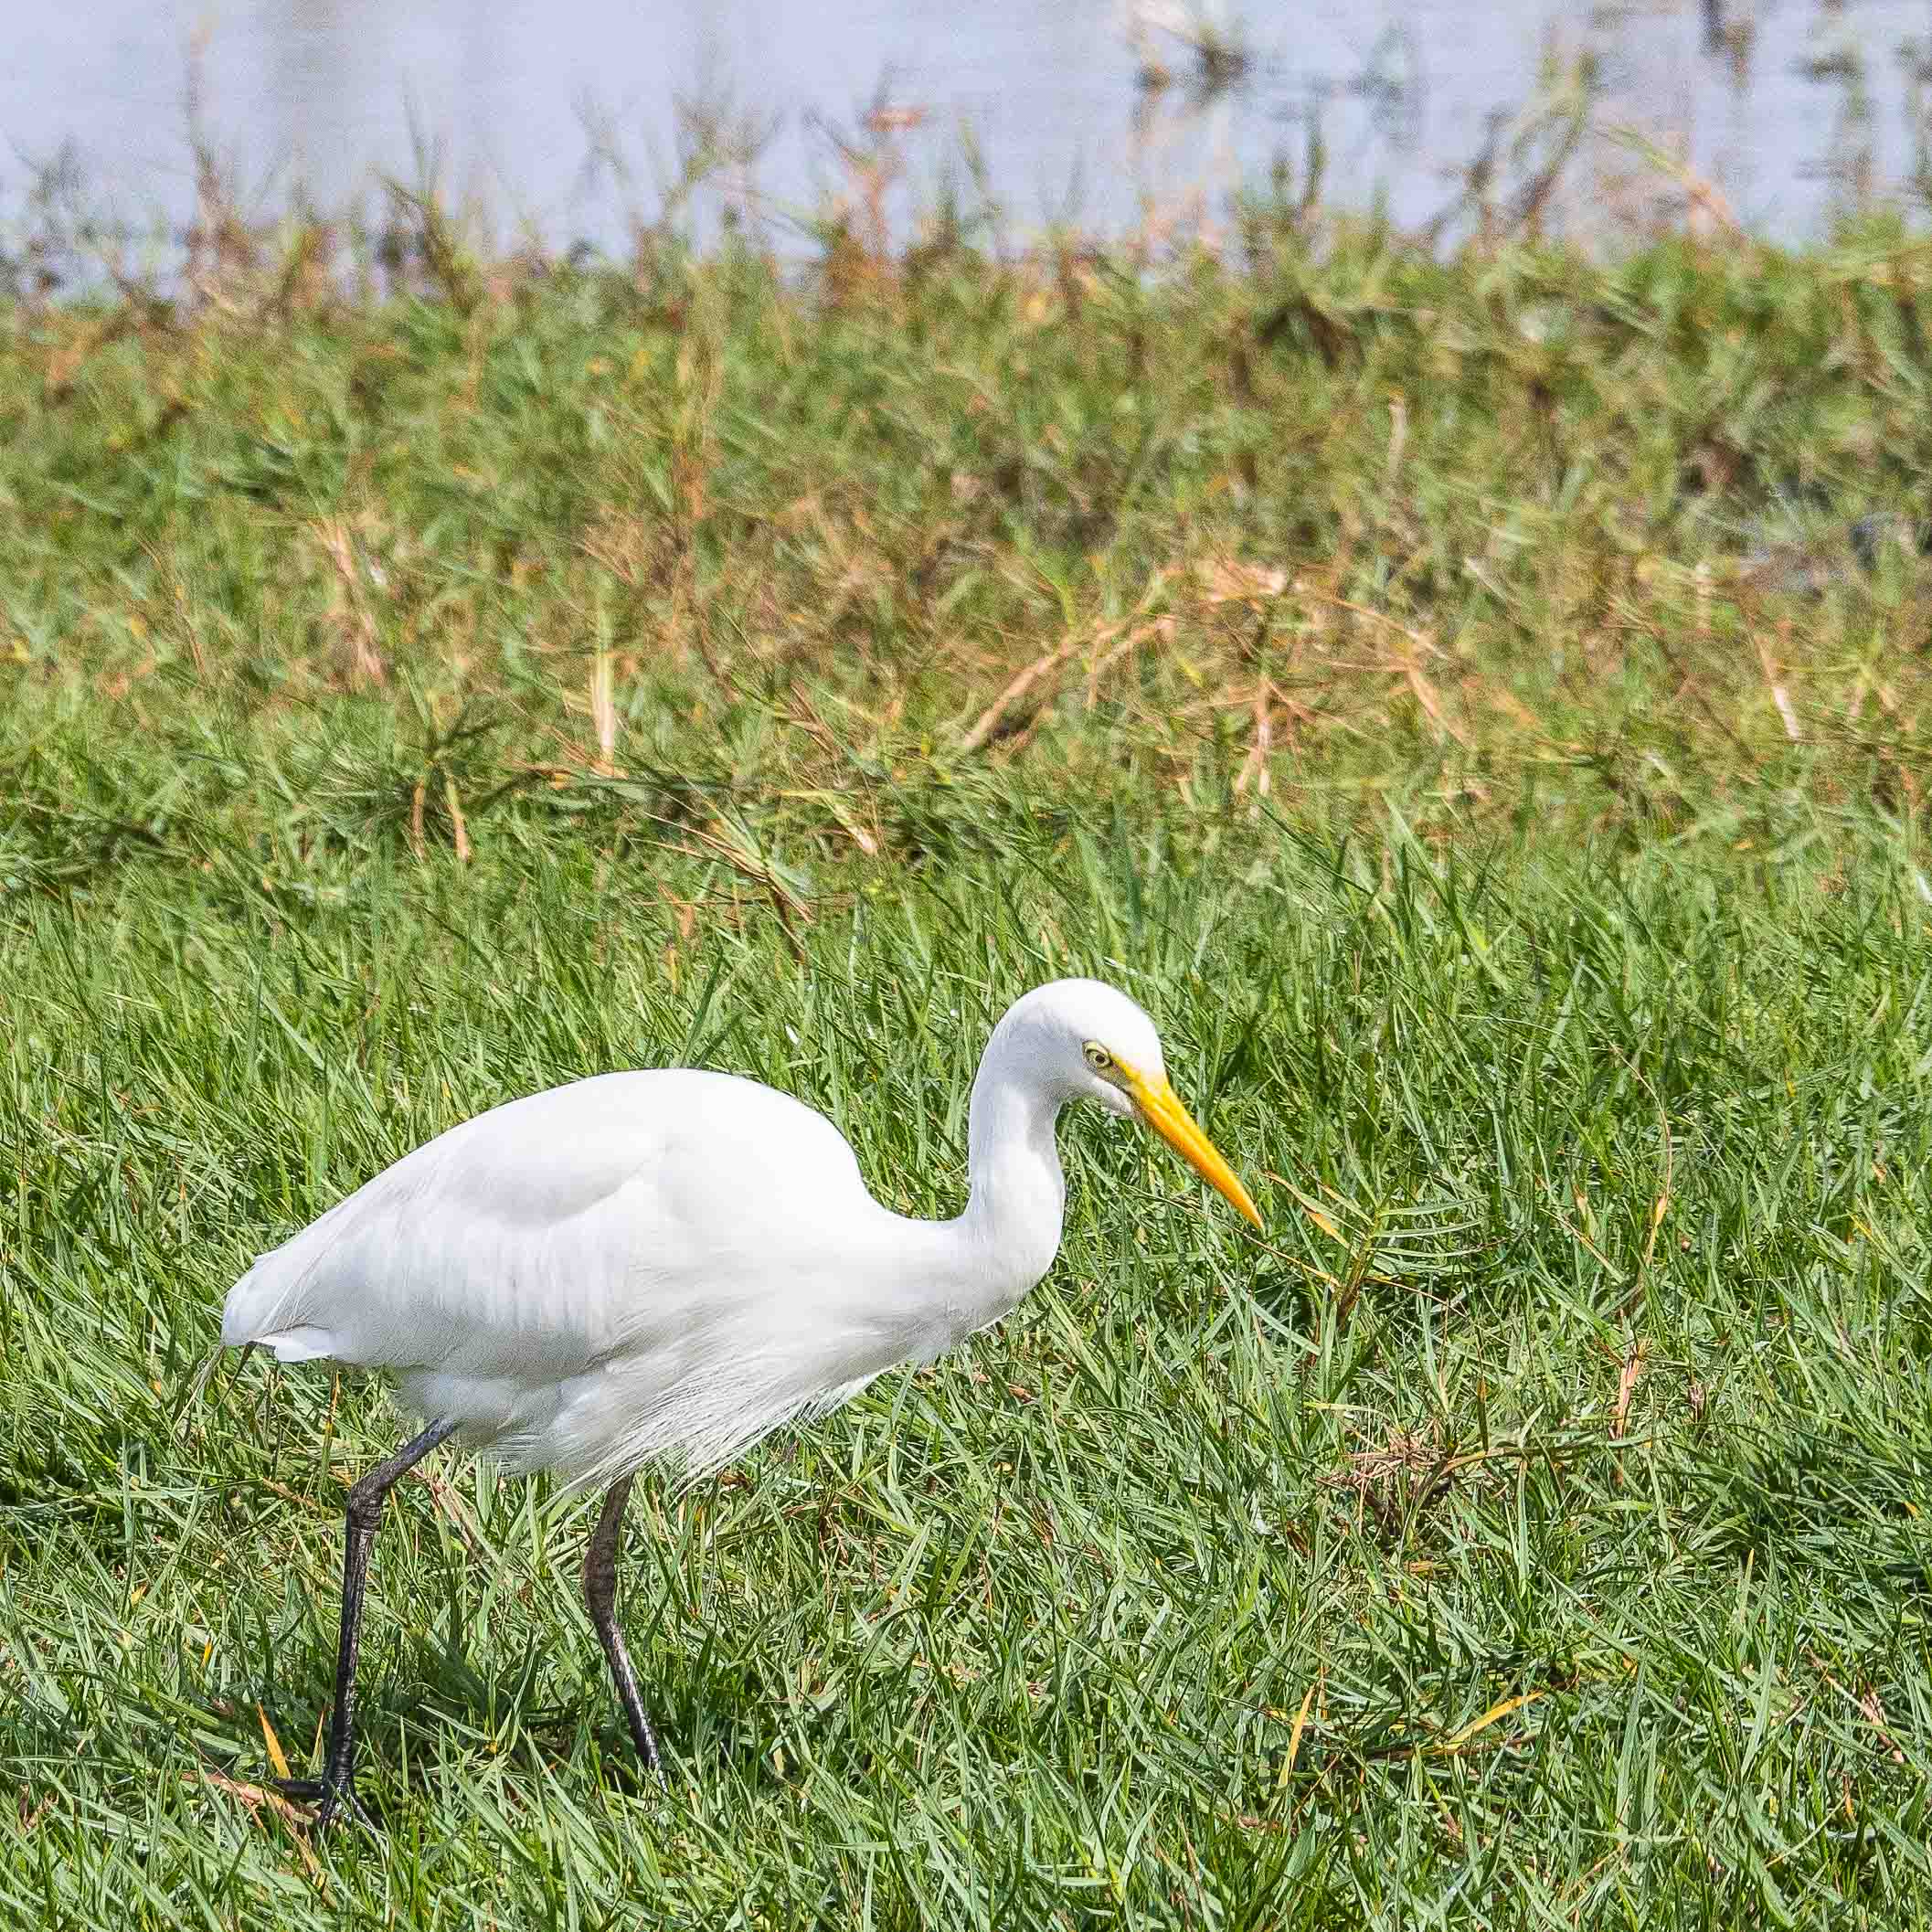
1098 1057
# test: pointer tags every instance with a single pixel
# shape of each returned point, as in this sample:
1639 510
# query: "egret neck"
1010 1231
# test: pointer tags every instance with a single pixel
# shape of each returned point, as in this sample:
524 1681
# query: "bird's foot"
330 1800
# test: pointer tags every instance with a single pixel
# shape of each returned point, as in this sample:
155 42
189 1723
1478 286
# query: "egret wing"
536 1239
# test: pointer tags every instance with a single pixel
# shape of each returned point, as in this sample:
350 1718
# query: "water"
1787 108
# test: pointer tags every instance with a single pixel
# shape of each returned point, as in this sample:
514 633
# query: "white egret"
666 1266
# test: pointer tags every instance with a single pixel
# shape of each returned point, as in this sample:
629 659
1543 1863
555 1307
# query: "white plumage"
668 1264
643 1263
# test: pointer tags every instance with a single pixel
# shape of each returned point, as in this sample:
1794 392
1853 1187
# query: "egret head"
1087 1041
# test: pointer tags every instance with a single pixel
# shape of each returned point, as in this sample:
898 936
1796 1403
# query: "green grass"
412 703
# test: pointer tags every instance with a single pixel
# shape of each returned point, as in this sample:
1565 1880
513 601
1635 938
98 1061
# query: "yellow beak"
1160 1108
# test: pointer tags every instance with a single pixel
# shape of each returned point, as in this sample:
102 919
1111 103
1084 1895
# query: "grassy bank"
1511 538
1452 695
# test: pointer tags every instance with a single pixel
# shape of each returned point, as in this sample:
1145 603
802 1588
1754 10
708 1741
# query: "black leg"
335 1791
601 1594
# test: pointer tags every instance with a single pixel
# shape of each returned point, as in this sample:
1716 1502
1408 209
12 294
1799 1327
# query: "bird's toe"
332 1802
